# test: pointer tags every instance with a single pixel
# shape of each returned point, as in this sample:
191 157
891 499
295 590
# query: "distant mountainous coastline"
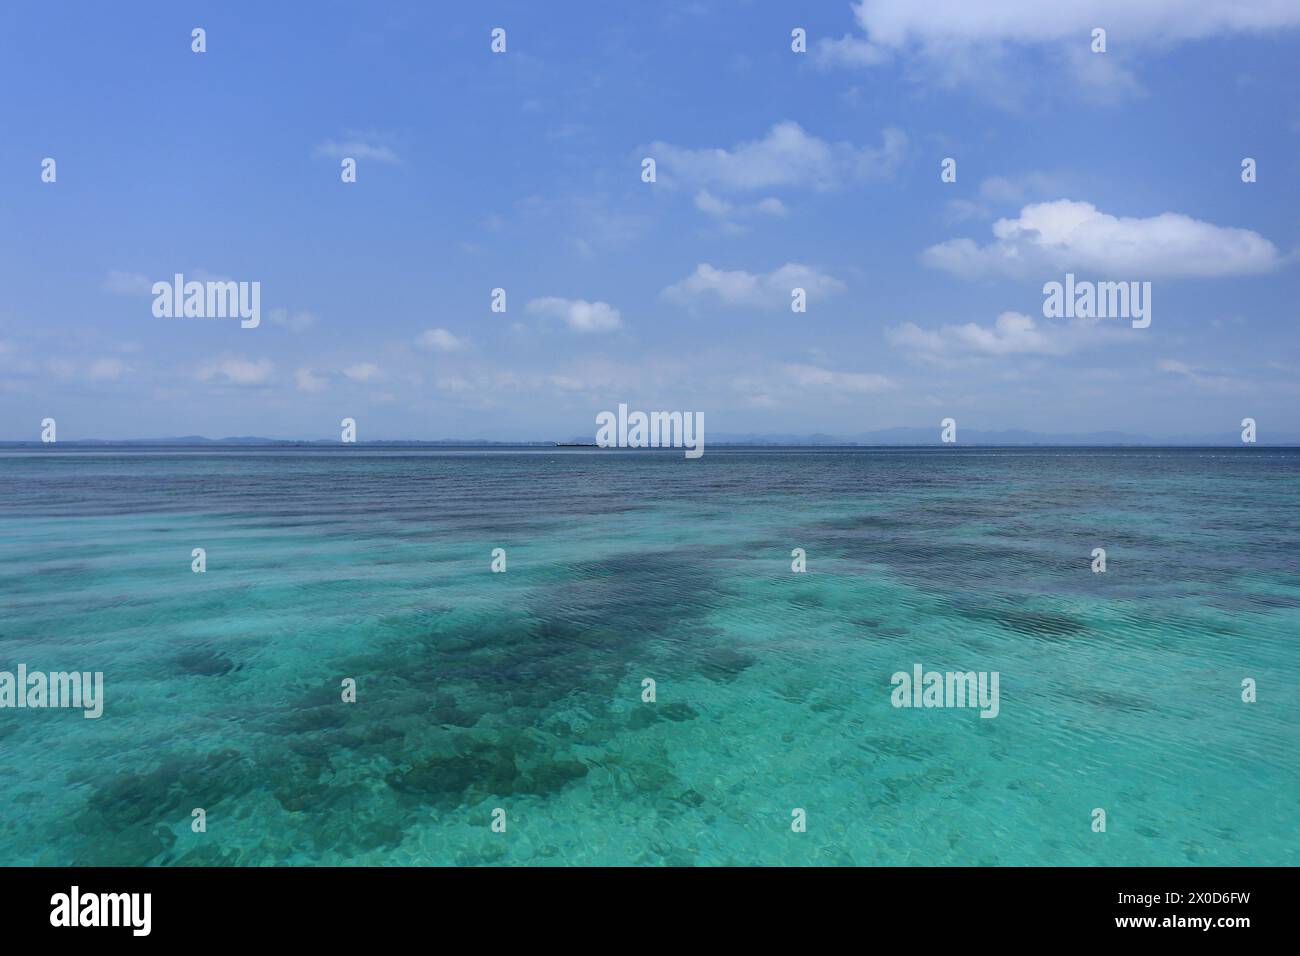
254 440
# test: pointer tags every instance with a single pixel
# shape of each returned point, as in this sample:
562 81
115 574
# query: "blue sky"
522 171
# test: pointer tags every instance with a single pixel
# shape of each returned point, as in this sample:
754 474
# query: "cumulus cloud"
237 371
958 42
578 314
894 24
1076 236
440 340
786 156
760 290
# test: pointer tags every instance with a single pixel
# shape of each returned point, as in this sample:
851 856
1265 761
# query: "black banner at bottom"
333 906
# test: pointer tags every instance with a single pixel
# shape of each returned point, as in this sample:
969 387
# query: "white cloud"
816 377
1198 377
958 42
567 383
895 24
1011 334
127 283
307 381
1076 236
851 51
578 314
786 156
237 371
362 371
440 340
770 290
732 216
708 203
299 321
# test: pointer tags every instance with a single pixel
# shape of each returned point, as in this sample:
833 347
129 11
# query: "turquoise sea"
523 690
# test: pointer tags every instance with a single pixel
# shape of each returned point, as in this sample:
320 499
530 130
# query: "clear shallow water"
522 690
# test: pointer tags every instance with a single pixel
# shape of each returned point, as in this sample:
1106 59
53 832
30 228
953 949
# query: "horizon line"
254 442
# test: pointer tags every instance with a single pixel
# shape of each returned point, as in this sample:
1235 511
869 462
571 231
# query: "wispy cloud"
769 290
816 377
106 369
1011 334
127 283
732 215
234 370
299 321
1206 380
357 146
786 156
